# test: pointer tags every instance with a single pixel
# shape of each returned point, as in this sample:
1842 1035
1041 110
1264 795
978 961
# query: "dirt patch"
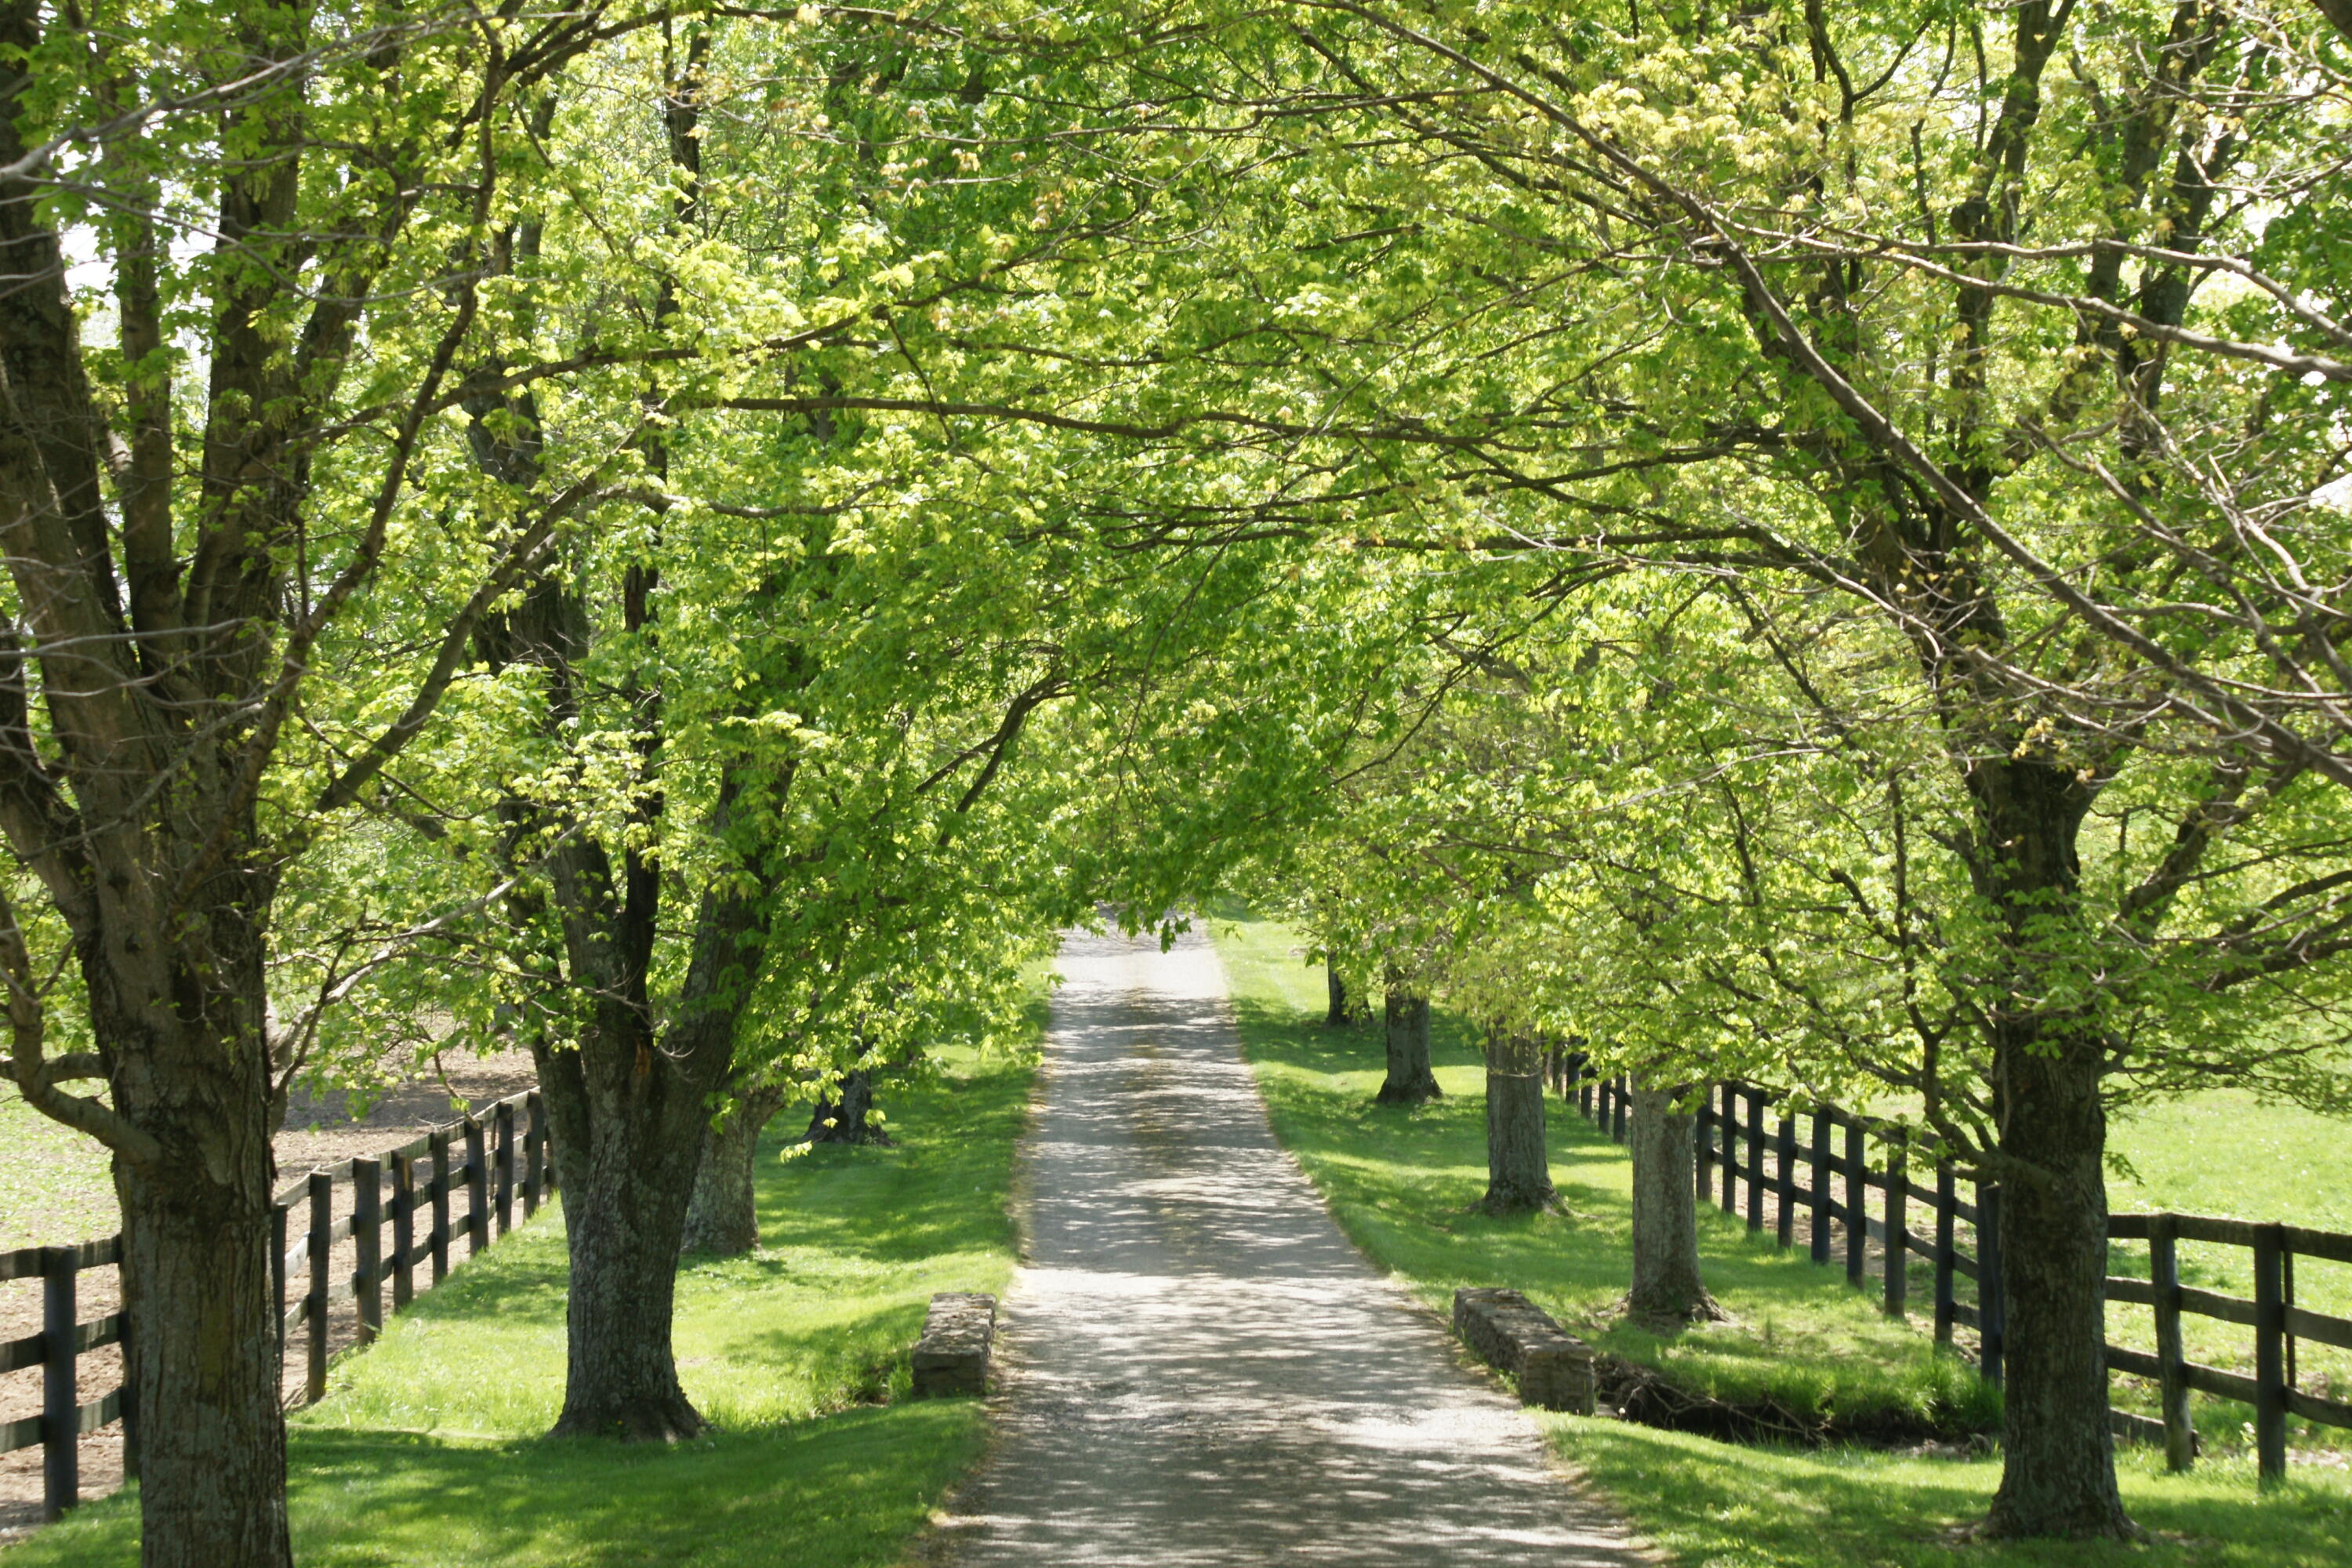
320 1132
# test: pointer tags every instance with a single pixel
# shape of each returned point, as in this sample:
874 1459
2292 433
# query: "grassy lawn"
428 1450
59 1189
1402 1185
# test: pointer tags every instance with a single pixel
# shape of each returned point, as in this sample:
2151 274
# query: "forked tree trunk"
630 1113
723 1216
625 1188
1667 1292
1410 1080
1518 1169
2058 1470
1335 1017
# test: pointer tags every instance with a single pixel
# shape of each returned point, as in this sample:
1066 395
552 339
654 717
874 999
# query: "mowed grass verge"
1403 1185
429 1449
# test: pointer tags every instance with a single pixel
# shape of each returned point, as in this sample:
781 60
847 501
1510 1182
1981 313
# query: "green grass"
2228 1152
1403 1185
59 1188
428 1451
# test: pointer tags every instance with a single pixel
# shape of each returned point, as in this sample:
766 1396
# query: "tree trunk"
845 1121
723 1216
1410 1080
1335 1017
625 1189
631 1114
204 1367
1668 1292
1518 1170
2058 1470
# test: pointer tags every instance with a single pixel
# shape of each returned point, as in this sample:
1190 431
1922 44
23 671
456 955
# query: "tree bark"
1410 1080
1668 1292
631 1114
204 1355
1335 1015
2058 1474
1518 1169
722 1217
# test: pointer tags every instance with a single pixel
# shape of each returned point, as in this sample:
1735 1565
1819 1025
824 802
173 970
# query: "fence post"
1947 1205
477 1188
1787 1154
1898 1221
1703 1135
503 1120
1755 1157
278 1277
60 1400
404 1229
1993 1299
1821 1191
2164 1278
437 1146
314 1306
1857 1204
1730 1124
2270 1360
534 1147
367 1242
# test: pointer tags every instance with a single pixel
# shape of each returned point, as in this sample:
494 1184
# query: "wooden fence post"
60 1399
1703 1136
1757 1183
1993 1301
314 1306
503 1121
1898 1221
436 1145
404 1229
277 1277
367 1243
1786 1151
1730 1125
1820 1184
1947 1213
477 1188
2164 1278
534 1147
1857 1204
2270 1360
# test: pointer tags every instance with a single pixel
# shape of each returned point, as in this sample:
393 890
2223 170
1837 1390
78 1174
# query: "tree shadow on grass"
845 1492
1710 1503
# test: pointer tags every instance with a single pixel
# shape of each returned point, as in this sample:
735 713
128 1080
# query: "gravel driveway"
1196 1367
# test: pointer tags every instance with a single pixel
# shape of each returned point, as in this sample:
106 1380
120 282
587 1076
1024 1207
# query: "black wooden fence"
1853 1178
410 1189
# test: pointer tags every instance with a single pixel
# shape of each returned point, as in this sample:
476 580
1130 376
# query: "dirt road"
1197 1368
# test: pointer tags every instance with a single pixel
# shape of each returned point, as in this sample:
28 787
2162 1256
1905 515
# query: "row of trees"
490 540
689 534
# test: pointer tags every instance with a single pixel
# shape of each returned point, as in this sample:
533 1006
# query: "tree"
182 560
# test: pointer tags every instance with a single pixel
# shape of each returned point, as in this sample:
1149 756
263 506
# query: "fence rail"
1811 1164
474 1155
